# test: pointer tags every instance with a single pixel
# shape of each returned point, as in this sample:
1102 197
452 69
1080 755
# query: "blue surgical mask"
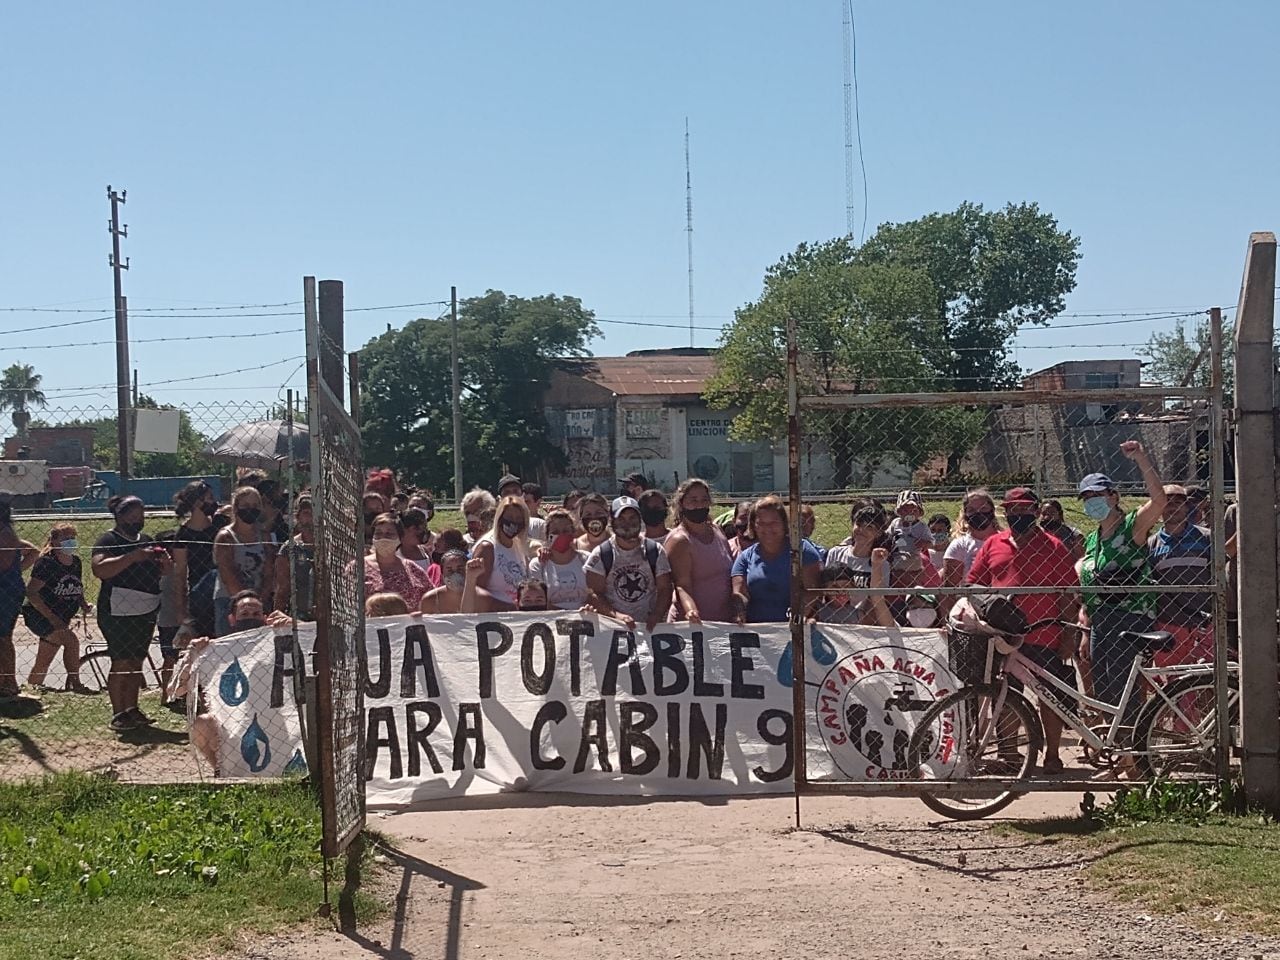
69 545
1097 508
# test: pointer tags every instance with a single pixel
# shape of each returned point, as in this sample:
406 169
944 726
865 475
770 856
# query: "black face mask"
979 521
1050 525
249 514
1022 522
249 624
209 509
369 517
130 528
697 514
653 516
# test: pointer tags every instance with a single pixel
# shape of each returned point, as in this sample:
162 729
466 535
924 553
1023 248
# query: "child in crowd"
907 530
940 531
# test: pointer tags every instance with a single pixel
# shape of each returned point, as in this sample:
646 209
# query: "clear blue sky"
404 147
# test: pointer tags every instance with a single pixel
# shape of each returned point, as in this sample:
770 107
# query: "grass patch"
90 868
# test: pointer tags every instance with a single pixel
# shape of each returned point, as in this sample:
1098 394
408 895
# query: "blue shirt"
1186 558
769 581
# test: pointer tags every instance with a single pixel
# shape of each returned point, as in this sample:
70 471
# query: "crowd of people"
641 558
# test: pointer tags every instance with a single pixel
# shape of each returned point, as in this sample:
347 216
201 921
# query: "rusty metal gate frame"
798 405
337 476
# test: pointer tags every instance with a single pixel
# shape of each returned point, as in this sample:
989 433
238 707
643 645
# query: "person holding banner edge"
762 572
701 562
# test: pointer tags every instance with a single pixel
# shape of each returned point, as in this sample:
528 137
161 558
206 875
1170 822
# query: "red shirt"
1040 561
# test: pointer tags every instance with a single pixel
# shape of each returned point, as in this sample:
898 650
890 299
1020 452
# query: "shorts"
1047 659
166 635
128 638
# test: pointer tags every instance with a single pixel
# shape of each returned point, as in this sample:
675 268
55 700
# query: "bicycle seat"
1153 641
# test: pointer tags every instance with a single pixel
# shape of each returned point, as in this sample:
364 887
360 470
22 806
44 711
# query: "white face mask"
385 548
921 616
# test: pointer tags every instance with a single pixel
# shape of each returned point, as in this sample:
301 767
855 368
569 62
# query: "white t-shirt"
842 556
630 586
509 568
963 548
566 582
537 528
936 557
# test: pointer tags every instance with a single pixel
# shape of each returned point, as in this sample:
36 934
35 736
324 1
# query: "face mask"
1022 522
369 517
455 581
940 538
209 509
130 528
251 623
511 528
562 542
594 527
385 547
1097 508
1050 525
627 531
979 521
922 616
697 514
653 516
69 545
249 514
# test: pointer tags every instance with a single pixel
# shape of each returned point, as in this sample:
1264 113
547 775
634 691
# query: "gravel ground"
534 877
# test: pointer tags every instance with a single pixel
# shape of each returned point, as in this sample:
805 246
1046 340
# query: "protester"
385 571
504 553
561 565
420 501
383 483
940 534
1054 524
477 507
446 540
532 494
16 555
854 559
633 485
701 564
275 512
593 517
169 617
1182 555
242 557
977 522
447 598
194 573
1115 555
808 524
572 499
415 544
399 502
1026 556
295 564
741 537
629 574
907 529
510 486
55 595
653 511
840 605
762 572
1198 504
373 505
385 605
530 594
130 565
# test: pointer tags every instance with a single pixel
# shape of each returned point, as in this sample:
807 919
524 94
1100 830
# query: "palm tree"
20 388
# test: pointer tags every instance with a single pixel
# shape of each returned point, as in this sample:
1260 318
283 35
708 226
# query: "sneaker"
75 685
178 706
123 722
141 718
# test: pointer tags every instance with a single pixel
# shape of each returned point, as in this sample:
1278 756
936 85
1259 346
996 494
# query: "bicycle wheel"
94 668
1178 739
961 738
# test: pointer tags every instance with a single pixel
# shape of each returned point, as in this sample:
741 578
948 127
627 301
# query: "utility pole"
457 399
122 336
847 18
688 216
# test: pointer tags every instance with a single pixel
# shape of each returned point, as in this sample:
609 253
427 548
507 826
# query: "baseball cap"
507 480
1020 495
1177 490
639 479
623 503
1096 483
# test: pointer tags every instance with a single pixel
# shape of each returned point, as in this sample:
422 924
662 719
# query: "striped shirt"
1181 559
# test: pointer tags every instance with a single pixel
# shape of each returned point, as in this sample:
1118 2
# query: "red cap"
1020 495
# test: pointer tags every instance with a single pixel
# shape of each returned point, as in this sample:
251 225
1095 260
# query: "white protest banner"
476 704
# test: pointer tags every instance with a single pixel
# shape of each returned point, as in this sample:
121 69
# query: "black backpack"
1001 613
650 554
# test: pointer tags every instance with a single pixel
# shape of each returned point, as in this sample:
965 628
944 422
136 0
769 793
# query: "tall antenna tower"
688 216
847 9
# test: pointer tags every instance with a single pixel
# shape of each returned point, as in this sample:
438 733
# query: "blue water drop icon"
823 650
785 675
255 747
297 765
234 685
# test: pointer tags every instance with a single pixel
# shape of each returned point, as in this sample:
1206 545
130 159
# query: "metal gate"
861 448
337 477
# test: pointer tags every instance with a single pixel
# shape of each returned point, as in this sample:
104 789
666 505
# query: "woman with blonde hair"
503 553
55 594
976 523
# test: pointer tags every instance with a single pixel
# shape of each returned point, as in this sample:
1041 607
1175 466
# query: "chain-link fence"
99 614
1069 538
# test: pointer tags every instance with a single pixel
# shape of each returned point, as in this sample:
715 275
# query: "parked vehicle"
154 491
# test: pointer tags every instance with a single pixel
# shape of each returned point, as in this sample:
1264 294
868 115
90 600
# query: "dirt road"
555 876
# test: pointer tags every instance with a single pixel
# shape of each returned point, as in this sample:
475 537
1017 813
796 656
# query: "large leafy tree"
993 272
19 391
508 348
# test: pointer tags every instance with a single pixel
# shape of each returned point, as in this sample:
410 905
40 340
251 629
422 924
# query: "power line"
164 311
55 326
103 343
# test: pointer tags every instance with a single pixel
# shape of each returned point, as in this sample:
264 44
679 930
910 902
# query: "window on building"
1096 380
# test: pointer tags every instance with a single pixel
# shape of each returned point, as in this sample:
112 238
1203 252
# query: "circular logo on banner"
868 706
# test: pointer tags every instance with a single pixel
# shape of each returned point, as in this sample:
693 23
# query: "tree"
20 389
861 328
992 273
1176 360
508 348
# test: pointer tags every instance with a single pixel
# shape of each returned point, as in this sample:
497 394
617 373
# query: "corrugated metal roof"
652 376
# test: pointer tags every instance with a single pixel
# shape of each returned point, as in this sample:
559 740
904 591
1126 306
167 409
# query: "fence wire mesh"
89 647
1098 508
